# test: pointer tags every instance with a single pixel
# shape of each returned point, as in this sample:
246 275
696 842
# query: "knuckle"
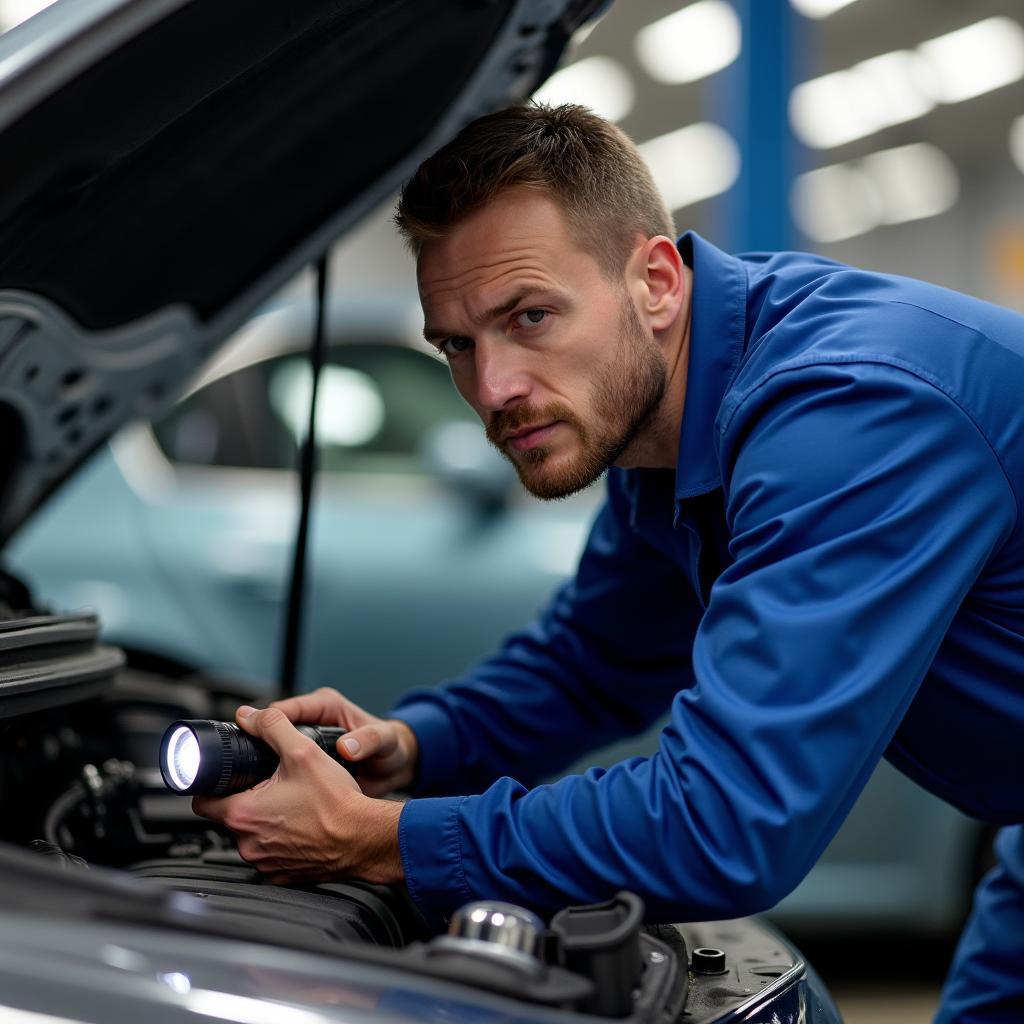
370 737
270 717
304 753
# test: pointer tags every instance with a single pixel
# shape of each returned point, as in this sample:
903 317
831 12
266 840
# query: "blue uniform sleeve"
862 503
603 661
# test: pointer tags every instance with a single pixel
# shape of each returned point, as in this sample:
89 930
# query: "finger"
212 807
322 707
271 726
368 741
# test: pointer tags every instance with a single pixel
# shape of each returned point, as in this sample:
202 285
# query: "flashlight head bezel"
214 760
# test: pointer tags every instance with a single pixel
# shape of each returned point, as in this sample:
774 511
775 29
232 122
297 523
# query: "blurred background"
886 135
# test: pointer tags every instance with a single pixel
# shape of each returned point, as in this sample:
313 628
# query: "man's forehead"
517 225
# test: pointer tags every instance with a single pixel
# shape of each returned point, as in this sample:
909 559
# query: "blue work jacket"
833 573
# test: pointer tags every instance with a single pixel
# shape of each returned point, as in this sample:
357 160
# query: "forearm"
602 662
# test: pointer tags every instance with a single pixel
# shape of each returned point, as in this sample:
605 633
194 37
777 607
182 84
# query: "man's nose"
501 379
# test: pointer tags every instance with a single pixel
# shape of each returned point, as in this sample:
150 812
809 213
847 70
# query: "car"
167 166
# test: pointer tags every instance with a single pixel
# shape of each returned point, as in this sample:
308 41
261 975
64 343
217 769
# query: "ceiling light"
835 202
695 42
888 187
692 163
600 83
846 105
976 59
896 87
1017 142
912 181
818 8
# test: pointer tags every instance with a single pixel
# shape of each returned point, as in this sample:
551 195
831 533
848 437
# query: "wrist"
384 857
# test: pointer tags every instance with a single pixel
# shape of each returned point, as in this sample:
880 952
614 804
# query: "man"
811 550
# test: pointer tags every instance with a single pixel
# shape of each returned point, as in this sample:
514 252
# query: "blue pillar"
753 104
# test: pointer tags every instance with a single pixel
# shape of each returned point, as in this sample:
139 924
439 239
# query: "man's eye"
452 346
531 317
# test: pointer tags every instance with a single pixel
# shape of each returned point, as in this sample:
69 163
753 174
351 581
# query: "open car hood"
166 166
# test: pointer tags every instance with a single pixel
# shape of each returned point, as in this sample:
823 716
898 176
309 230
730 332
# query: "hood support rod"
307 473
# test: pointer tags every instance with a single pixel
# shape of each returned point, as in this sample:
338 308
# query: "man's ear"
661 270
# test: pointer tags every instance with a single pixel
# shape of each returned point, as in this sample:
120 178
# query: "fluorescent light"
826 112
913 181
976 59
891 186
1017 142
846 105
600 83
697 41
899 86
692 163
818 8
835 202
14 12
895 87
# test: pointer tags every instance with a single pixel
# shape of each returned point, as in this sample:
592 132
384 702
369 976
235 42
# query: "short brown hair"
588 165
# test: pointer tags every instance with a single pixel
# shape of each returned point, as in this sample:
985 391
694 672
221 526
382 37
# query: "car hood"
166 166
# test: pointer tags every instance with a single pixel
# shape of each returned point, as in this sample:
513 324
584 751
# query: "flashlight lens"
183 757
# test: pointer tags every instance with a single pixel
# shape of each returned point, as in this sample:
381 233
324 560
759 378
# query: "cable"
307 471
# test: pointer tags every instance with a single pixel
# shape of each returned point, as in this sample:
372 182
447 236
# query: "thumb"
273 727
368 741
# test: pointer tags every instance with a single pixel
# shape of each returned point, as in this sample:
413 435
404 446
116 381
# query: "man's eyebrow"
438 334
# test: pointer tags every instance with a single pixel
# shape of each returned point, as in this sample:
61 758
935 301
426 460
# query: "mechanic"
811 552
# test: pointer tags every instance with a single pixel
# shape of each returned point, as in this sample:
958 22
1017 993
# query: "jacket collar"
718 314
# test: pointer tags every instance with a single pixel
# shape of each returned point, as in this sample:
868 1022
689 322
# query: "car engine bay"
84 794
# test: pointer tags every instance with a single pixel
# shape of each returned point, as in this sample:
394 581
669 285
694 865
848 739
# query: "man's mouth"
530 437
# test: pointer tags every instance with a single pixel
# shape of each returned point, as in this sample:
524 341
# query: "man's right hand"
386 750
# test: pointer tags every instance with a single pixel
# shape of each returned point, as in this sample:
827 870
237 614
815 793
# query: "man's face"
547 350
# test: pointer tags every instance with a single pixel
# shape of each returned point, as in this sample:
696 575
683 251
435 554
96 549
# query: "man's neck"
657 445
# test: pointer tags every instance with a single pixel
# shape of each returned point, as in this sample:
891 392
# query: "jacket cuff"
430 845
438 764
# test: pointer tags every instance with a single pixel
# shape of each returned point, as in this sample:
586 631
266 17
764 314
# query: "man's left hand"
309 822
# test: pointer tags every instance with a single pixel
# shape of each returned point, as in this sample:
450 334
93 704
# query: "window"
377 404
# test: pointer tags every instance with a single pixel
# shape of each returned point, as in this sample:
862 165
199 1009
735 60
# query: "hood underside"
196 158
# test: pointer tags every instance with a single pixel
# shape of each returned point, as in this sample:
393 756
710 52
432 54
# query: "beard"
625 394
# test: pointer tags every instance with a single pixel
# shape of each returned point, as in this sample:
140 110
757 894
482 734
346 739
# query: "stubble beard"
625 395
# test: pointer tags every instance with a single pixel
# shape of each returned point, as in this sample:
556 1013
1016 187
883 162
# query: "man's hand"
386 749
308 822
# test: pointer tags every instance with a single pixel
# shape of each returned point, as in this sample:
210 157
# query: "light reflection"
244 1010
121 958
14 12
350 409
177 982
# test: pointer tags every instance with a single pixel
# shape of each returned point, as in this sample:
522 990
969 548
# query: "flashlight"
214 758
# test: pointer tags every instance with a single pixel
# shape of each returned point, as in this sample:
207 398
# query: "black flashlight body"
229 759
